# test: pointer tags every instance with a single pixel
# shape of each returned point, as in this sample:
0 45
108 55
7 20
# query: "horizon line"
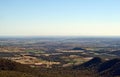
38 36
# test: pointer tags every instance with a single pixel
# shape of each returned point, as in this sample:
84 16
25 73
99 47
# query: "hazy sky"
60 17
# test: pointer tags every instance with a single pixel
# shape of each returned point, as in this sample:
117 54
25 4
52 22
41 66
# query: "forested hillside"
93 68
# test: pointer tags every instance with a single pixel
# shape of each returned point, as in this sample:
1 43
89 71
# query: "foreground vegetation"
9 68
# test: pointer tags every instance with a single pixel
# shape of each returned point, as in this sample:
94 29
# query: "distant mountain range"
78 48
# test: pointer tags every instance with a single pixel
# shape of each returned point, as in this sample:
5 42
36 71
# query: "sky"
60 17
